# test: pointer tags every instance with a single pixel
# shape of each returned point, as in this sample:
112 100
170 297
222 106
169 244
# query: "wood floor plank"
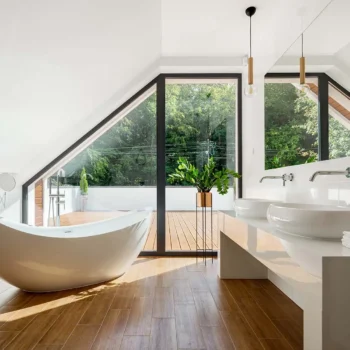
294 311
268 304
207 311
6 338
189 335
275 344
47 347
98 308
163 305
29 305
241 333
140 318
63 327
19 319
222 297
217 338
6 313
60 303
82 337
111 333
181 233
257 319
138 342
236 288
150 242
291 332
28 338
163 334
252 284
175 244
182 292
198 282
124 297
20 299
191 307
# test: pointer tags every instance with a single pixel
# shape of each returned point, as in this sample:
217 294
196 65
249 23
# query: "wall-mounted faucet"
330 172
284 177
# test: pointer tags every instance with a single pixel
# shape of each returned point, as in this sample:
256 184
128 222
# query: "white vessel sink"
310 220
252 207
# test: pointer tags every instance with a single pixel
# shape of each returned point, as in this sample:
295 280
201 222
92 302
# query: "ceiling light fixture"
303 86
250 90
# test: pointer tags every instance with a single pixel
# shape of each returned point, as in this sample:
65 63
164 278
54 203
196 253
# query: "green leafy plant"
84 186
203 179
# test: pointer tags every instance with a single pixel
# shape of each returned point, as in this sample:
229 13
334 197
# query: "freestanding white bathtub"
39 259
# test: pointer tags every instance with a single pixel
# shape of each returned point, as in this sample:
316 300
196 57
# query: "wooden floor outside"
180 228
160 303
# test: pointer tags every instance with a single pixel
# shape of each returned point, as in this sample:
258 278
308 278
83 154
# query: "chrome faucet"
284 177
330 172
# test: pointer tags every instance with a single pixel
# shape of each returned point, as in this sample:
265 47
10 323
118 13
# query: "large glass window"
114 173
125 164
200 124
339 123
291 123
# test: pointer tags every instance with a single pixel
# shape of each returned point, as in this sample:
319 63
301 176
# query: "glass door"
200 124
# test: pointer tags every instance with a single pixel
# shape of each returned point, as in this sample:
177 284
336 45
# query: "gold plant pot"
204 199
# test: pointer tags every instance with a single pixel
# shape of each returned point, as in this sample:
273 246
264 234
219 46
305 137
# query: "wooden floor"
160 303
180 228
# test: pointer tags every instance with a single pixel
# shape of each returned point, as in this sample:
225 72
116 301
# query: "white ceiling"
59 62
65 65
328 34
326 45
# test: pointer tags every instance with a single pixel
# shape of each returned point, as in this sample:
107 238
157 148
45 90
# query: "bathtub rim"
62 231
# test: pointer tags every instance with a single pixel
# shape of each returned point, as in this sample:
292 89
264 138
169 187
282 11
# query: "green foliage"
291 129
84 186
200 122
204 179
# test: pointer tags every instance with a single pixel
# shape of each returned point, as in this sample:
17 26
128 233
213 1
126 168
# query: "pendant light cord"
302 44
250 34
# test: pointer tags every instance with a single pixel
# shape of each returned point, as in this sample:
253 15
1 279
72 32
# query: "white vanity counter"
313 273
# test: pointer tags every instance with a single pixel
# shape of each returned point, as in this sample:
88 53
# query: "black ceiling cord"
250 11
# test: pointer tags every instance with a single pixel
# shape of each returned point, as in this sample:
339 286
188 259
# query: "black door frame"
160 83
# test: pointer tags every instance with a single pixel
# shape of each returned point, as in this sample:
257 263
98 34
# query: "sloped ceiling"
59 61
65 65
326 45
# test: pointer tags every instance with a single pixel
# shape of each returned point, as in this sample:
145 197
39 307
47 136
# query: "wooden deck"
180 228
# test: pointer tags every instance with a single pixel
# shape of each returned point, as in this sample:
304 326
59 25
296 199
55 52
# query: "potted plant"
203 179
84 188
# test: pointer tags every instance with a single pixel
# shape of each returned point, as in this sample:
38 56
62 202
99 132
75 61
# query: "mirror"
7 182
308 125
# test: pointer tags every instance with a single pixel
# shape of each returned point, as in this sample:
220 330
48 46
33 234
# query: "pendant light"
250 90
303 86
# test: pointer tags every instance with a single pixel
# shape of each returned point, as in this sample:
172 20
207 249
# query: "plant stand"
84 199
204 200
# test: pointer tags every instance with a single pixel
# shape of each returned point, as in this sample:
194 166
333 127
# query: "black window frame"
324 80
159 82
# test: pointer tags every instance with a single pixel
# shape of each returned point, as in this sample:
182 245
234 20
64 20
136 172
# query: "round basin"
253 207
310 220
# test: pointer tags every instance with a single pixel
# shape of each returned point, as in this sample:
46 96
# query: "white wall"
133 198
127 198
325 189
